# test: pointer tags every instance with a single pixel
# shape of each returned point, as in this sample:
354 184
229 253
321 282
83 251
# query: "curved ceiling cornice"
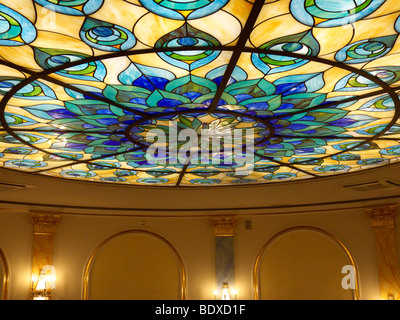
26 193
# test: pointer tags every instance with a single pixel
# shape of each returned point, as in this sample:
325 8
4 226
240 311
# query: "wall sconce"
226 293
45 283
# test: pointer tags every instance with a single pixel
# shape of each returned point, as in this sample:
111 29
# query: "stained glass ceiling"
90 89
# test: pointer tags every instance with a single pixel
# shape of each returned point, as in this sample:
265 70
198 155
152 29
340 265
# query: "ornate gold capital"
382 216
44 224
223 226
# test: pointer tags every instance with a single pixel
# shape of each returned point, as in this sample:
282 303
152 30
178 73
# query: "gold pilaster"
44 229
223 226
383 223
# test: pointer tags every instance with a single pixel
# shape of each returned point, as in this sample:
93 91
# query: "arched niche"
135 265
4 276
304 263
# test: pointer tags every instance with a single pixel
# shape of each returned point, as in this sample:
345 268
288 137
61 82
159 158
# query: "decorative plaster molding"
44 224
223 226
382 216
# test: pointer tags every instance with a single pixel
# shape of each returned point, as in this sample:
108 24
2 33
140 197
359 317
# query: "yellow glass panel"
273 9
153 60
120 12
259 37
383 26
59 24
14 54
6 71
159 27
221 25
26 8
51 40
386 8
332 39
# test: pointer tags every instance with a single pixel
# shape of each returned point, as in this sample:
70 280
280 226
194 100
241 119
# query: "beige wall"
135 265
78 235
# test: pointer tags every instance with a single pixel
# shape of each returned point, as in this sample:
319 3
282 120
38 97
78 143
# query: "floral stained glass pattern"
199 93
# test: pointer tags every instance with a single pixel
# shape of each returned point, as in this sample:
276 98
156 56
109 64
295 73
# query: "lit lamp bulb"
41 284
225 292
234 292
215 294
46 283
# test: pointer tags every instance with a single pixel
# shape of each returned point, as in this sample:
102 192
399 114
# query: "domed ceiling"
199 93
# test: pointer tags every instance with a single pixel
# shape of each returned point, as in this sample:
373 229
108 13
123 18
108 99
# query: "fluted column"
223 230
383 223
